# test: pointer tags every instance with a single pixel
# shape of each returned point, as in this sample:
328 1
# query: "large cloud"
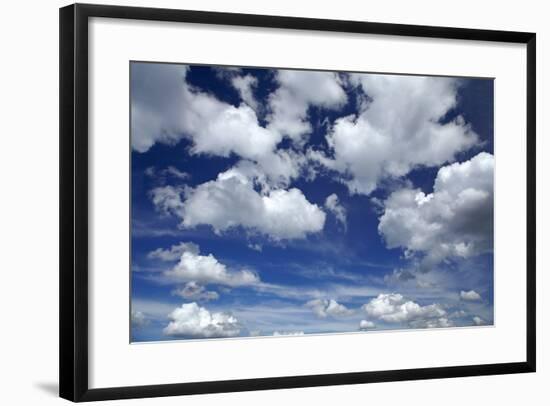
394 308
398 129
456 220
156 104
165 109
206 269
192 321
231 200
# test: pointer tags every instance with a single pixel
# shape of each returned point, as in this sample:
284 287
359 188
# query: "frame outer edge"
73 208
303 23
73 250
81 214
66 204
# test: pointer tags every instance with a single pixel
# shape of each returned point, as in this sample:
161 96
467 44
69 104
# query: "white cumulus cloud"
324 308
394 308
366 325
192 321
174 252
470 295
231 200
456 220
206 269
478 321
432 323
298 90
165 108
397 130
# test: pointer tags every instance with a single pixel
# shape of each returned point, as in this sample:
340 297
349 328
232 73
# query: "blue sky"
285 202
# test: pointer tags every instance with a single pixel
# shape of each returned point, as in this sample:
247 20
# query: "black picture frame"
73 282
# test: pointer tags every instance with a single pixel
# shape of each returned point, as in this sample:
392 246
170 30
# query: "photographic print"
283 202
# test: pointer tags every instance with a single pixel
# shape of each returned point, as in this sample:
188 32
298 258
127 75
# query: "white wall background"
29 202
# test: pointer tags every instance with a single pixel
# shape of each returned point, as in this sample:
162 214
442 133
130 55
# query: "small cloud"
176 173
174 253
288 333
192 321
204 269
193 291
458 314
226 72
471 295
161 175
366 325
332 204
399 276
377 205
394 308
323 308
255 247
478 321
432 323
245 87
138 319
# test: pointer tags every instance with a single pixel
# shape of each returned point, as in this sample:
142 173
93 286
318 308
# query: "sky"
272 202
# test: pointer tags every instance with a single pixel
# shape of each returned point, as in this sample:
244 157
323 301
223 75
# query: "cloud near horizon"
394 308
192 321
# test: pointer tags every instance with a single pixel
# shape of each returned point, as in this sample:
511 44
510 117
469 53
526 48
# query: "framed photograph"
257 202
